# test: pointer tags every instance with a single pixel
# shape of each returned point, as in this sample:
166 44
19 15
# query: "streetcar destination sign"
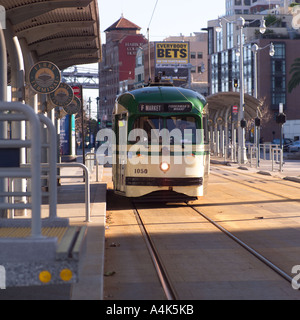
165 107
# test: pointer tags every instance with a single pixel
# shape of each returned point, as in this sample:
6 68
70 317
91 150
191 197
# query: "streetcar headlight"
164 166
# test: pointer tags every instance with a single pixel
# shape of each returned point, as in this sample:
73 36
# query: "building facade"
117 69
254 6
272 73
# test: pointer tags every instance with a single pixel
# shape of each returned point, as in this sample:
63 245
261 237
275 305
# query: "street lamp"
240 22
255 49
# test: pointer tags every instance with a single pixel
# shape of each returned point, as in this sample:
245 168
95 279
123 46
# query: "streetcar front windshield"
186 128
186 125
148 124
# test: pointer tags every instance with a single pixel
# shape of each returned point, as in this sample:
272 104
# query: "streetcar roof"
160 95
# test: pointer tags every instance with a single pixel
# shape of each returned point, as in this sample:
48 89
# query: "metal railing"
33 170
91 160
267 151
23 112
277 157
86 177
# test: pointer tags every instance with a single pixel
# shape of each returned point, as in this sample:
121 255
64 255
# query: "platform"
71 205
290 169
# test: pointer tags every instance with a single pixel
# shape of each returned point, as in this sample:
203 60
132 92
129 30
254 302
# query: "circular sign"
235 109
62 96
44 77
220 120
73 107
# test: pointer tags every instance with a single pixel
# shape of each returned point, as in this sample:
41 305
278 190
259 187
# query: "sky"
163 17
170 17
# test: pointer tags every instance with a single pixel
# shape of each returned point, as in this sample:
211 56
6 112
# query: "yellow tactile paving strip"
26 232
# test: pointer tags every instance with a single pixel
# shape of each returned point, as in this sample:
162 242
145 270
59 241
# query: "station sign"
77 91
44 77
74 107
62 96
234 113
235 109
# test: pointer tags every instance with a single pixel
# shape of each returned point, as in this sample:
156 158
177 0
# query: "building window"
229 31
214 73
200 55
278 76
193 55
220 41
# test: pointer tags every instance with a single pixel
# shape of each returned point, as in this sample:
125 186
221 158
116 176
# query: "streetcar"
161 144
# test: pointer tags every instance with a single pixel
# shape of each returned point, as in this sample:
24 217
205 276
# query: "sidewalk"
290 169
71 204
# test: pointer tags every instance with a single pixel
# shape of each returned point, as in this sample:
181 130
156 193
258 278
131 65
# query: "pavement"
71 204
290 169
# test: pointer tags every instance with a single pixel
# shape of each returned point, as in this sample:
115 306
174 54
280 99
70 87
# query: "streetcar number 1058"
140 171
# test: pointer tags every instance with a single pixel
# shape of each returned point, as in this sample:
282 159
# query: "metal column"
3 97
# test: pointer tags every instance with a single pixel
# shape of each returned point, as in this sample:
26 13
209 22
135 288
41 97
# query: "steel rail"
244 245
162 274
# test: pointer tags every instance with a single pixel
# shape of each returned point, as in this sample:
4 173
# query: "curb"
294 179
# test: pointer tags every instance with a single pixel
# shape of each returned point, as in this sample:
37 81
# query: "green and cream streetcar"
161 144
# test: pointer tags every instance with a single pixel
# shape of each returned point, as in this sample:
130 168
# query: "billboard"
171 53
172 61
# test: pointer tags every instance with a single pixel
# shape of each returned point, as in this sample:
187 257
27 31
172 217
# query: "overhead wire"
152 13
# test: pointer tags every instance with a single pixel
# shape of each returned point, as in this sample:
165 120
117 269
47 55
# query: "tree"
295 79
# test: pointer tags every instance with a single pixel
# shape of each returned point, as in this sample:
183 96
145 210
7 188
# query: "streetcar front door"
121 156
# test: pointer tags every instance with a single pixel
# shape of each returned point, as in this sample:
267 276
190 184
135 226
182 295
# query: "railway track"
188 244
157 261
162 271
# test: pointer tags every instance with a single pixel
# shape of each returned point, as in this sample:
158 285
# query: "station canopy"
65 32
219 103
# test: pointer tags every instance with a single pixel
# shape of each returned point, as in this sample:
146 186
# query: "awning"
221 103
65 32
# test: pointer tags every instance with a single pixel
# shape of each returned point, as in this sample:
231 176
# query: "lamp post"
240 22
255 49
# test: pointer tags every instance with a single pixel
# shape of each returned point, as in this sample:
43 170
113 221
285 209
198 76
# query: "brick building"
117 69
